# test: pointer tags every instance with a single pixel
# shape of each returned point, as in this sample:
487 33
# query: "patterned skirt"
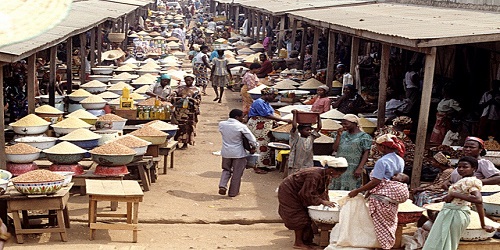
246 99
261 127
201 73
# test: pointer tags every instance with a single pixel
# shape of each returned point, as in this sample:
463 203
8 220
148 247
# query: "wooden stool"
168 150
56 203
324 233
128 191
144 170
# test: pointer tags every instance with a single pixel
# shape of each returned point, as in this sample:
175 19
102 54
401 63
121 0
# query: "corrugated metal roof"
278 7
83 16
409 25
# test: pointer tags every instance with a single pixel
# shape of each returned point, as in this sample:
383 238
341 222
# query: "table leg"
92 216
114 205
129 212
66 217
60 225
26 219
172 159
17 226
135 221
165 158
3 211
142 175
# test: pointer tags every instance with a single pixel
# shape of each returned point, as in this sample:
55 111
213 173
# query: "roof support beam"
2 124
330 68
303 46
69 65
382 86
314 62
52 75
354 61
423 117
31 83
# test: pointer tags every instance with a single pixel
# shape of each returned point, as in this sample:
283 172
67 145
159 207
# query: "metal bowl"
101 78
112 160
281 136
102 71
33 188
155 140
77 98
476 235
95 105
324 214
409 217
5 175
64 158
492 209
39 142
45 98
63 131
86 144
95 90
30 130
493 156
22 158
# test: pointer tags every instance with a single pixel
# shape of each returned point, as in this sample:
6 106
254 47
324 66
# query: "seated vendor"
320 103
160 89
350 102
266 66
293 61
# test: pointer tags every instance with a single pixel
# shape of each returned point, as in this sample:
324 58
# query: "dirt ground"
183 210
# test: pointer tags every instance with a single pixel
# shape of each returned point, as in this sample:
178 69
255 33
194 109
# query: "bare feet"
302 247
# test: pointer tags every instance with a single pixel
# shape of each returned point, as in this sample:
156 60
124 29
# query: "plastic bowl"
22 158
117 80
86 144
39 142
77 98
68 176
5 175
64 158
322 214
57 99
30 130
63 131
95 90
3 185
409 217
112 160
95 105
45 187
140 150
281 136
101 78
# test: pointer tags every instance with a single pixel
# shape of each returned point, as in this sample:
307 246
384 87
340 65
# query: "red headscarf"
393 142
476 139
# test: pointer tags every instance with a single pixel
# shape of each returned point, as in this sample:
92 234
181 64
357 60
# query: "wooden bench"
167 150
143 168
55 204
128 191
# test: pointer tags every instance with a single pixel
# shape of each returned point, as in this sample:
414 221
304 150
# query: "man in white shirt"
233 153
161 88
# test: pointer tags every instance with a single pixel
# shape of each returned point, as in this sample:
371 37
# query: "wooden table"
128 191
17 202
168 150
143 168
79 180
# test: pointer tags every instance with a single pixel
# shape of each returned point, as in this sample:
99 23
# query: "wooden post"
69 65
31 83
430 63
236 19
251 24
294 32
83 43
52 78
303 46
354 61
99 44
382 86
330 68
282 30
258 16
315 50
92 47
2 122
212 6
249 21
270 51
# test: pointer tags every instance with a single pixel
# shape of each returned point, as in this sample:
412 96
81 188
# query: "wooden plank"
294 31
2 123
382 87
107 187
31 83
135 219
52 78
354 61
270 51
60 225
99 44
112 215
114 198
303 47
423 122
315 50
69 65
236 19
282 30
259 25
113 226
92 47
330 68
131 187
83 44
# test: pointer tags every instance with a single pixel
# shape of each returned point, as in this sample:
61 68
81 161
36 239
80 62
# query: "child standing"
302 137
220 75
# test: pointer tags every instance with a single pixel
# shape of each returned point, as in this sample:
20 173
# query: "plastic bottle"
185 103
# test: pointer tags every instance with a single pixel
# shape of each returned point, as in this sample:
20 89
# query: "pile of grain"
125 67
131 141
93 99
148 131
151 102
80 93
113 148
72 122
142 90
491 144
312 83
65 148
285 84
257 46
111 118
120 86
283 128
39 175
94 84
151 64
137 96
30 120
145 79
363 122
408 206
333 114
495 198
475 223
123 75
329 124
21 149
324 139
490 188
82 114
161 125
108 95
115 102
434 206
81 134
47 109
257 90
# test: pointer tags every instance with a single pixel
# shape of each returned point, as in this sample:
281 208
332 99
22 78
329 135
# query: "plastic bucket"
307 117
252 160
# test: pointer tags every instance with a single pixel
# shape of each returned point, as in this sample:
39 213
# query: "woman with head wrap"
350 102
201 63
186 100
248 82
385 194
307 187
435 191
354 145
320 103
261 118
161 88
486 170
